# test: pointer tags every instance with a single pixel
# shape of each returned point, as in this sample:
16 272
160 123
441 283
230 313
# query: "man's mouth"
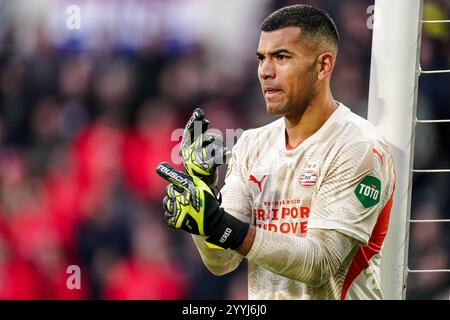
271 92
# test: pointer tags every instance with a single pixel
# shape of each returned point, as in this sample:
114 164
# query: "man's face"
286 71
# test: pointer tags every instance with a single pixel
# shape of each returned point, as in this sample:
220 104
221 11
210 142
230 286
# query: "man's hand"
189 203
191 206
202 152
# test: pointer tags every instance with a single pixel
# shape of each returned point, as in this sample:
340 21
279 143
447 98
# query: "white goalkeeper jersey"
340 178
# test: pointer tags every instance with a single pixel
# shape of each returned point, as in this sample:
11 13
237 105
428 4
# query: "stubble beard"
294 106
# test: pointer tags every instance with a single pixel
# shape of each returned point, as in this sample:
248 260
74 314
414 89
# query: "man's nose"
266 70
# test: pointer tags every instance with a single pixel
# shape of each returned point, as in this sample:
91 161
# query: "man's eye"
260 58
281 57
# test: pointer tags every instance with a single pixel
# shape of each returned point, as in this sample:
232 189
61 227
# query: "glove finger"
196 125
168 204
168 216
179 179
215 155
197 115
170 192
209 155
182 182
221 156
210 138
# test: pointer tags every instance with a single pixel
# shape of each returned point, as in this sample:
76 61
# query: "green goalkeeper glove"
202 152
191 206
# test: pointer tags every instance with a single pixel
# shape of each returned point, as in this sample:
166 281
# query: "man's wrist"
247 244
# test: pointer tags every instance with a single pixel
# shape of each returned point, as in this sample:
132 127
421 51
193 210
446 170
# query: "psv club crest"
309 178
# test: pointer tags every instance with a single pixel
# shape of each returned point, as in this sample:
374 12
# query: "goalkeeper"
307 198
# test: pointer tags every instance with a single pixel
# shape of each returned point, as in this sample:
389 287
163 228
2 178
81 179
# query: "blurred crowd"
85 120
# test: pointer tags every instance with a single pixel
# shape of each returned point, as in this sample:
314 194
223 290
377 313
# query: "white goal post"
394 75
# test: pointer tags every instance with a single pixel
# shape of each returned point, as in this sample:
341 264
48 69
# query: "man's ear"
325 63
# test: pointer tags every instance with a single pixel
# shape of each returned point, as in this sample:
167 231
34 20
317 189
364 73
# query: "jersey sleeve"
311 260
356 186
235 201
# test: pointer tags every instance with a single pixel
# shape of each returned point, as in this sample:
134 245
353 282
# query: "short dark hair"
312 21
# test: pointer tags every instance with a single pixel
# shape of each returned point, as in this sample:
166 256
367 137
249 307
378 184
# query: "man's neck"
299 127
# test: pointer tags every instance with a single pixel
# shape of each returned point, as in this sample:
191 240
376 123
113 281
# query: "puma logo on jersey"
378 154
258 182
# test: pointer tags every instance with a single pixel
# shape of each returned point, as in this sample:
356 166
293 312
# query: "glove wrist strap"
230 232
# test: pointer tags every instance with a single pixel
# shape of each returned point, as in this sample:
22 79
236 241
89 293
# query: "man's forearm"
218 262
310 260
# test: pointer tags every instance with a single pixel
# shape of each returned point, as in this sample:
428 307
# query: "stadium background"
87 114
